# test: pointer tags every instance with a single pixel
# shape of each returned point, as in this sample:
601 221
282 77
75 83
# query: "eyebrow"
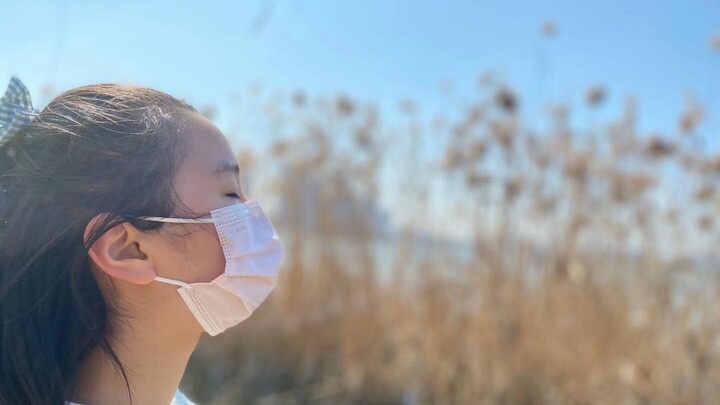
227 166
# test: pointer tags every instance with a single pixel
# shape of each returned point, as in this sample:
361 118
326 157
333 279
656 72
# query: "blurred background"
480 202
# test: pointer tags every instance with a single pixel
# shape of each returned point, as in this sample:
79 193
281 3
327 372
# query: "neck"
154 360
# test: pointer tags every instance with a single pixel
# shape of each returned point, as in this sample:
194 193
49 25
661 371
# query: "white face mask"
252 252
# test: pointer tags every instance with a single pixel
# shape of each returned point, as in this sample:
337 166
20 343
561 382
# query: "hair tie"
16 107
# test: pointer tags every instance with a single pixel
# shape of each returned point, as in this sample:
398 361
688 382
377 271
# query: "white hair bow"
16 107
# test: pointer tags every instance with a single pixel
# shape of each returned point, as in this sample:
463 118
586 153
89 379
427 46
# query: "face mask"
252 252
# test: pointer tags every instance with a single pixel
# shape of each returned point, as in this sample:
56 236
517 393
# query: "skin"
155 333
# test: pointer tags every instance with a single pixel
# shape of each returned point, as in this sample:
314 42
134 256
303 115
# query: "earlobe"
118 254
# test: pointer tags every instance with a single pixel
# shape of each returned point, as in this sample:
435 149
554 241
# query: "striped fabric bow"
16 107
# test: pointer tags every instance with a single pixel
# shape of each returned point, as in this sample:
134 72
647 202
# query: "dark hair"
94 149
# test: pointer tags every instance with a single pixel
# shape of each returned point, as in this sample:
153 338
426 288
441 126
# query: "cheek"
204 259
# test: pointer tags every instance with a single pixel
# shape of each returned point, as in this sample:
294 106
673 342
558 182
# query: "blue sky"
376 50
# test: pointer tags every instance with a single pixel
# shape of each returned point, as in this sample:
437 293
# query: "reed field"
566 262
503 240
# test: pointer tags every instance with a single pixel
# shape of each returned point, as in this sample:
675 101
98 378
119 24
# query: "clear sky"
376 50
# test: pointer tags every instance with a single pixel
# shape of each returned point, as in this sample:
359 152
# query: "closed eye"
233 195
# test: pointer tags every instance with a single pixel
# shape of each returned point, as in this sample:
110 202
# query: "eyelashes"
233 195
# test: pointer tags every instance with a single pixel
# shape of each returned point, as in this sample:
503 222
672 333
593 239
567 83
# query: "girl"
124 235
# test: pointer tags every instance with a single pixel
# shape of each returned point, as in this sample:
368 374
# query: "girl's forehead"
196 183
207 145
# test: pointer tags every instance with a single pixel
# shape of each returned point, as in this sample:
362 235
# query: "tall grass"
578 271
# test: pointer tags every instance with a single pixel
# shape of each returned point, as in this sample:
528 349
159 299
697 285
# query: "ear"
118 253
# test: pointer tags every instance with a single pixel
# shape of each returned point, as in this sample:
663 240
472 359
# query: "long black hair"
95 149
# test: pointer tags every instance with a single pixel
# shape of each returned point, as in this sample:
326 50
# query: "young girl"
124 235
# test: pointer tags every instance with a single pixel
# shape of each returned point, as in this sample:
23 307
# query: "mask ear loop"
171 281
179 220
248 204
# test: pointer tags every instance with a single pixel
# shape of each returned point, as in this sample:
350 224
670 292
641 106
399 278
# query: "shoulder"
181 399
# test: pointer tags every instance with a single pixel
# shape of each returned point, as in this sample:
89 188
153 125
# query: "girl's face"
206 179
